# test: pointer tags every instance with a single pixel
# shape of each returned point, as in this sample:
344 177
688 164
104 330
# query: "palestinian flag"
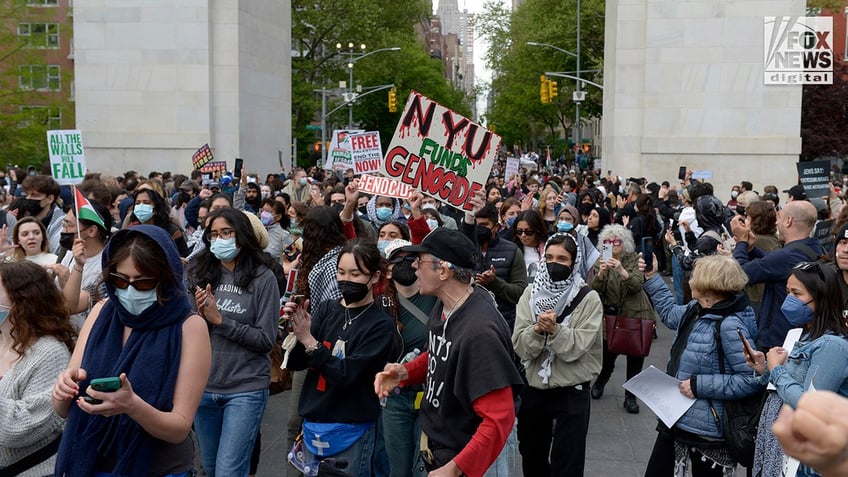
86 212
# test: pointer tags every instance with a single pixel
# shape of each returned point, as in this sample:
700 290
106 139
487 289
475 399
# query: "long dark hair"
38 308
322 232
822 283
250 260
645 208
365 254
534 221
161 211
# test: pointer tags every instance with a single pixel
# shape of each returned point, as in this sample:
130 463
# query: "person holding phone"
818 361
719 305
618 281
145 334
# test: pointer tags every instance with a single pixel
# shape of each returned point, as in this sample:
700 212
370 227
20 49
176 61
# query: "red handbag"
629 336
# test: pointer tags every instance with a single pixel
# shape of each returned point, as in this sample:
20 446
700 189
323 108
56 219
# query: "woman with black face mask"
558 337
343 344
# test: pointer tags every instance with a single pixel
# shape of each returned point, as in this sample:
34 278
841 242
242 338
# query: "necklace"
349 320
459 302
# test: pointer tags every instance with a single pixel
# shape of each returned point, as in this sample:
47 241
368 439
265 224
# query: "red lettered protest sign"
385 187
440 152
366 152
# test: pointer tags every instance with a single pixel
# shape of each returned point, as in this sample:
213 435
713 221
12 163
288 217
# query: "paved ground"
619 443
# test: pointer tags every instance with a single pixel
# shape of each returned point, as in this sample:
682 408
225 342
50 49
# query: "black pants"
634 365
661 463
548 448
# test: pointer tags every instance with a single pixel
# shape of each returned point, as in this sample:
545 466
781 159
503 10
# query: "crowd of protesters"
421 339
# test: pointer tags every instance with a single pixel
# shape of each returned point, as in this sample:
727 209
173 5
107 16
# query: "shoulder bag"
629 336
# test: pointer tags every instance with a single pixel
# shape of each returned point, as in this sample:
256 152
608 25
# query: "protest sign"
815 177
440 152
213 167
383 186
67 156
339 156
705 175
366 152
201 156
824 232
511 167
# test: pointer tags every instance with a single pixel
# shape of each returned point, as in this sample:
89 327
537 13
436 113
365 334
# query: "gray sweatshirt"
243 341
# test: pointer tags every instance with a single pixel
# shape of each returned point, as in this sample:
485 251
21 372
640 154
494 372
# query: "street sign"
313 127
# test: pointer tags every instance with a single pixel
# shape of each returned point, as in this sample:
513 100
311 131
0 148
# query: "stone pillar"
683 86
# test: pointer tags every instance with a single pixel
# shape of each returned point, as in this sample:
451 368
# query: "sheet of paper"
661 393
792 337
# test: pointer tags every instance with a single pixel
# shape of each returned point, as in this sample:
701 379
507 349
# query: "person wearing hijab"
558 337
147 335
381 209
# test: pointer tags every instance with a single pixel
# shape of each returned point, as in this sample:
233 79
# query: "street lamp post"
353 57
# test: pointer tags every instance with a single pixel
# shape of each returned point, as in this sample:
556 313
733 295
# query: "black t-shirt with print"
469 355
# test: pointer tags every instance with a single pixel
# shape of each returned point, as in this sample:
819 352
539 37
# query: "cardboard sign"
366 152
67 156
824 232
702 175
339 154
386 187
201 156
440 152
511 168
214 166
815 177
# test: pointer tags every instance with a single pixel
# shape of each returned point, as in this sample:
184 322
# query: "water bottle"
410 356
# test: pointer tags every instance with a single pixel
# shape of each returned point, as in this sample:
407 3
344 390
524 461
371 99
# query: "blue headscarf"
150 358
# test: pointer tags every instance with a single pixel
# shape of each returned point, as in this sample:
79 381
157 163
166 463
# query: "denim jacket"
822 362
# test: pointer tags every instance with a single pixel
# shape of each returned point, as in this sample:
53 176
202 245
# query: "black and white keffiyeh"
322 281
371 212
549 295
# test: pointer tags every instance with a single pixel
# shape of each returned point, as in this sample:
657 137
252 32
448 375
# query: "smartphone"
606 251
105 385
648 253
681 173
748 349
298 299
237 168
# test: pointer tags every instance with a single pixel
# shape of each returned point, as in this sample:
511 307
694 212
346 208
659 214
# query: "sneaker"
598 388
630 405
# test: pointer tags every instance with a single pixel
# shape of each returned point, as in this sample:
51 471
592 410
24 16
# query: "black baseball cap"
448 245
797 192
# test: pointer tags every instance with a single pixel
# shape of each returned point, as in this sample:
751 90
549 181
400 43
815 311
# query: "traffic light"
552 90
393 100
543 91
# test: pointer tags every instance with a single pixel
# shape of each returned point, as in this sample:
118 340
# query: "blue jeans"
401 430
226 426
358 456
504 465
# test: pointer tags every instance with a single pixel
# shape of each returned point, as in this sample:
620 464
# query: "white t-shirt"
90 277
43 258
531 261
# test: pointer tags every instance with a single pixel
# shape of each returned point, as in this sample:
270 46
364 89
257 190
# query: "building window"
40 77
39 35
43 3
46 116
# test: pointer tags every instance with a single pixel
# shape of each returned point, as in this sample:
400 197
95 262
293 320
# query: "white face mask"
135 301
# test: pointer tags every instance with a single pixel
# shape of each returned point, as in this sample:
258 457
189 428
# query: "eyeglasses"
140 284
615 242
403 258
223 233
418 260
528 232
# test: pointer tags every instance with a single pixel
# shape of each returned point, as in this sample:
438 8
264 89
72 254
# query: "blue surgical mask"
384 213
303 181
4 313
511 221
135 301
563 226
433 224
266 217
381 246
143 212
224 250
797 312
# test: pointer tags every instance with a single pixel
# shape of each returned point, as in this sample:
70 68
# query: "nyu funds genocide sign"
440 152
798 50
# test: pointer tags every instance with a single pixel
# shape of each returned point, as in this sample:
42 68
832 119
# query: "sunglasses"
529 232
613 242
140 284
808 266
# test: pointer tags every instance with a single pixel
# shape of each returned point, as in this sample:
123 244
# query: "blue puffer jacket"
699 358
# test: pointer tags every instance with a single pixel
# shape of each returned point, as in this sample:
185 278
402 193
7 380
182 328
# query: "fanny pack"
326 439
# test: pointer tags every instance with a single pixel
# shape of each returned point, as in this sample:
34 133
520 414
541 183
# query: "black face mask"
66 240
363 210
33 206
558 272
184 197
484 234
353 292
585 208
338 207
403 273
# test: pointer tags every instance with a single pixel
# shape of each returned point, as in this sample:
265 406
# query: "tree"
824 116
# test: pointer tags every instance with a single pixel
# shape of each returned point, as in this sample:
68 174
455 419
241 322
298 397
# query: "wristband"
313 348
78 269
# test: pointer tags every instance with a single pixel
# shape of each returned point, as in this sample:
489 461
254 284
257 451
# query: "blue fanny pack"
326 439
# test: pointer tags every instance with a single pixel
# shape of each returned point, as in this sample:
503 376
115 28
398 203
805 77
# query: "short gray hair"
617 231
